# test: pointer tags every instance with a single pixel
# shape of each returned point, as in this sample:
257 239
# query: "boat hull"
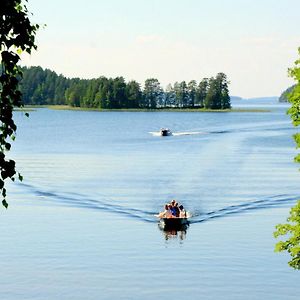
175 223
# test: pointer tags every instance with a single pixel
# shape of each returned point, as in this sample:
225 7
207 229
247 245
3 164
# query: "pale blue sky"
253 42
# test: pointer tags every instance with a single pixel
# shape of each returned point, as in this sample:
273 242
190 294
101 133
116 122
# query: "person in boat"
182 212
174 208
166 213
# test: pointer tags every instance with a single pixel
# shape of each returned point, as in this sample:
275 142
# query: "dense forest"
45 87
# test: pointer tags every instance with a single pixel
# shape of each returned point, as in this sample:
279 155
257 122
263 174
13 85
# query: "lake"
82 224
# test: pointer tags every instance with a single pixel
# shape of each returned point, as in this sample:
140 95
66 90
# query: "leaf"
20 177
4 193
17 34
4 203
7 146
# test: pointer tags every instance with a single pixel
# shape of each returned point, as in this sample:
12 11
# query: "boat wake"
157 133
105 204
266 203
82 201
269 126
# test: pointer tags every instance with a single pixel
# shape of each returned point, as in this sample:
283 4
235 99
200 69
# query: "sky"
252 42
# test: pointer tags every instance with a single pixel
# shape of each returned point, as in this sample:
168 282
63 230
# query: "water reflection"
171 233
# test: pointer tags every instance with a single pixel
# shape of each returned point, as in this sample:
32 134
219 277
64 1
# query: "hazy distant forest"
45 87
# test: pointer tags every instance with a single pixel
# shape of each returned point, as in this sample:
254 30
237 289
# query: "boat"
175 223
165 132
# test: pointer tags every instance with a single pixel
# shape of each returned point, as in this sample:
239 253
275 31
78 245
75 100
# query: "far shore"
66 107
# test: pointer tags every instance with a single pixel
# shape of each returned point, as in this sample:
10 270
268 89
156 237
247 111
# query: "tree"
17 34
182 94
89 97
74 93
292 228
223 92
201 92
152 94
176 90
170 96
40 86
212 99
192 87
133 94
292 244
217 93
118 90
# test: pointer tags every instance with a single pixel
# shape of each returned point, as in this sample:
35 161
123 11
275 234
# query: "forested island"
45 87
284 96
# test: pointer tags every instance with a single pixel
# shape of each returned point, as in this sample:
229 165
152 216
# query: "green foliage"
217 95
133 94
192 89
17 34
46 87
153 93
294 95
201 92
284 95
42 87
292 228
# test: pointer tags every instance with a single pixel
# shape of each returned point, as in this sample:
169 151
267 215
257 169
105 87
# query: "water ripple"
79 200
105 204
265 203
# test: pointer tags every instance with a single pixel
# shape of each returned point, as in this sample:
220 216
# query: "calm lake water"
82 225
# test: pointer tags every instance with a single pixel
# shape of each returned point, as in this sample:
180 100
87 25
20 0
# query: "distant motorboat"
165 132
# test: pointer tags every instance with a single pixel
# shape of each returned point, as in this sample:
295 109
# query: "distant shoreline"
66 107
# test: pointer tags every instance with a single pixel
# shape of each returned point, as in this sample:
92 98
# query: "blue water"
82 224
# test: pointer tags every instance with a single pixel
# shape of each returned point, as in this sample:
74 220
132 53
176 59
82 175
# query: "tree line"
45 87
